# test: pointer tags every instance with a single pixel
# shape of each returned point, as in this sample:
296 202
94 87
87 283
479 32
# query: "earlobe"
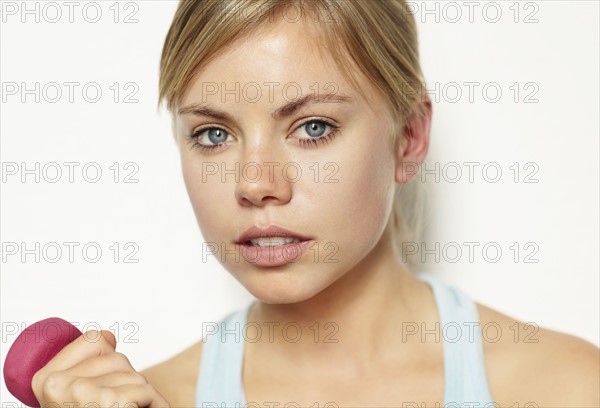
414 144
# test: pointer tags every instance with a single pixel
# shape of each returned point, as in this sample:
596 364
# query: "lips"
269 255
269 232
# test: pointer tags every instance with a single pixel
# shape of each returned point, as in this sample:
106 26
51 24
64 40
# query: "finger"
140 395
101 365
110 337
90 344
54 387
104 391
119 379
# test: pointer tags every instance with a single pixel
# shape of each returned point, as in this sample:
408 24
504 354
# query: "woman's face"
260 165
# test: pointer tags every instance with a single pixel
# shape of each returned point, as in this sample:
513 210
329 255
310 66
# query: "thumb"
110 338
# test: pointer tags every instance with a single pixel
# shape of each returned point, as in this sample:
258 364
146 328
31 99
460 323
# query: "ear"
413 145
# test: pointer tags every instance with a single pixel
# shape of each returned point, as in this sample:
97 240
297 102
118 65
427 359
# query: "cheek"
357 206
206 196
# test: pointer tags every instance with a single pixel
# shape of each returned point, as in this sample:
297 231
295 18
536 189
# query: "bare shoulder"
527 363
176 377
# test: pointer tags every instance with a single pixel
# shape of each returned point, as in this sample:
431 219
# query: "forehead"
281 56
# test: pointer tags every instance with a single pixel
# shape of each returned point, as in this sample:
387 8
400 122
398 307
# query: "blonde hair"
379 36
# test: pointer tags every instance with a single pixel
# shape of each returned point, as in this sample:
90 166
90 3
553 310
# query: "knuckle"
107 397
120 360
92 336
94 340
80 388
37 382
138 378
54 386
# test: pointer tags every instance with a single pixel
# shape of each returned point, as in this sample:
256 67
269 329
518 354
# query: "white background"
171 291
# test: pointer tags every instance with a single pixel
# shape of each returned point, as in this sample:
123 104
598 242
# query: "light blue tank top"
220 375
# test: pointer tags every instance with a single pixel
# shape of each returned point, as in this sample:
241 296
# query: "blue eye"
315 128
216 137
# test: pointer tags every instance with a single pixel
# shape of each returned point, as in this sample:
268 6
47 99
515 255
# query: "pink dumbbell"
31 351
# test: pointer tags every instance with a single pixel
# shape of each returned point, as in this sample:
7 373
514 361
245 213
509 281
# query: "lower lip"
276 255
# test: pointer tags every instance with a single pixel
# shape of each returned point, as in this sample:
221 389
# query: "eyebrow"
286 110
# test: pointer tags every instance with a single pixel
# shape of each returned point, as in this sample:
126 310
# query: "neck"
355 321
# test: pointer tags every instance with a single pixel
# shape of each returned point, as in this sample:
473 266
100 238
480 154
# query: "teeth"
273 241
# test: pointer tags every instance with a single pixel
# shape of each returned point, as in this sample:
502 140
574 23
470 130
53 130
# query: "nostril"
262 192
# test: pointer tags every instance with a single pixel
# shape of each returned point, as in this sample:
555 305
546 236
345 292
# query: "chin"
280 289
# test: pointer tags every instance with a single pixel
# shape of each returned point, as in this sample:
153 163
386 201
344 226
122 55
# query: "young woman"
299 140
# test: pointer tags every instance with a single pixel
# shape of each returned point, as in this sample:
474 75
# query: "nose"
263 180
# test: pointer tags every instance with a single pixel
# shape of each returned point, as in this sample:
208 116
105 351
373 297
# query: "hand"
89 370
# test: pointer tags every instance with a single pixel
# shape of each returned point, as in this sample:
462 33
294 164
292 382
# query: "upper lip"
271 231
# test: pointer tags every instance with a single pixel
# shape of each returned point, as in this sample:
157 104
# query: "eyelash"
307 143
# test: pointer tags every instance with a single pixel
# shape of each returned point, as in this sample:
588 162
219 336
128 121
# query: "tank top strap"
464 365
219 382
